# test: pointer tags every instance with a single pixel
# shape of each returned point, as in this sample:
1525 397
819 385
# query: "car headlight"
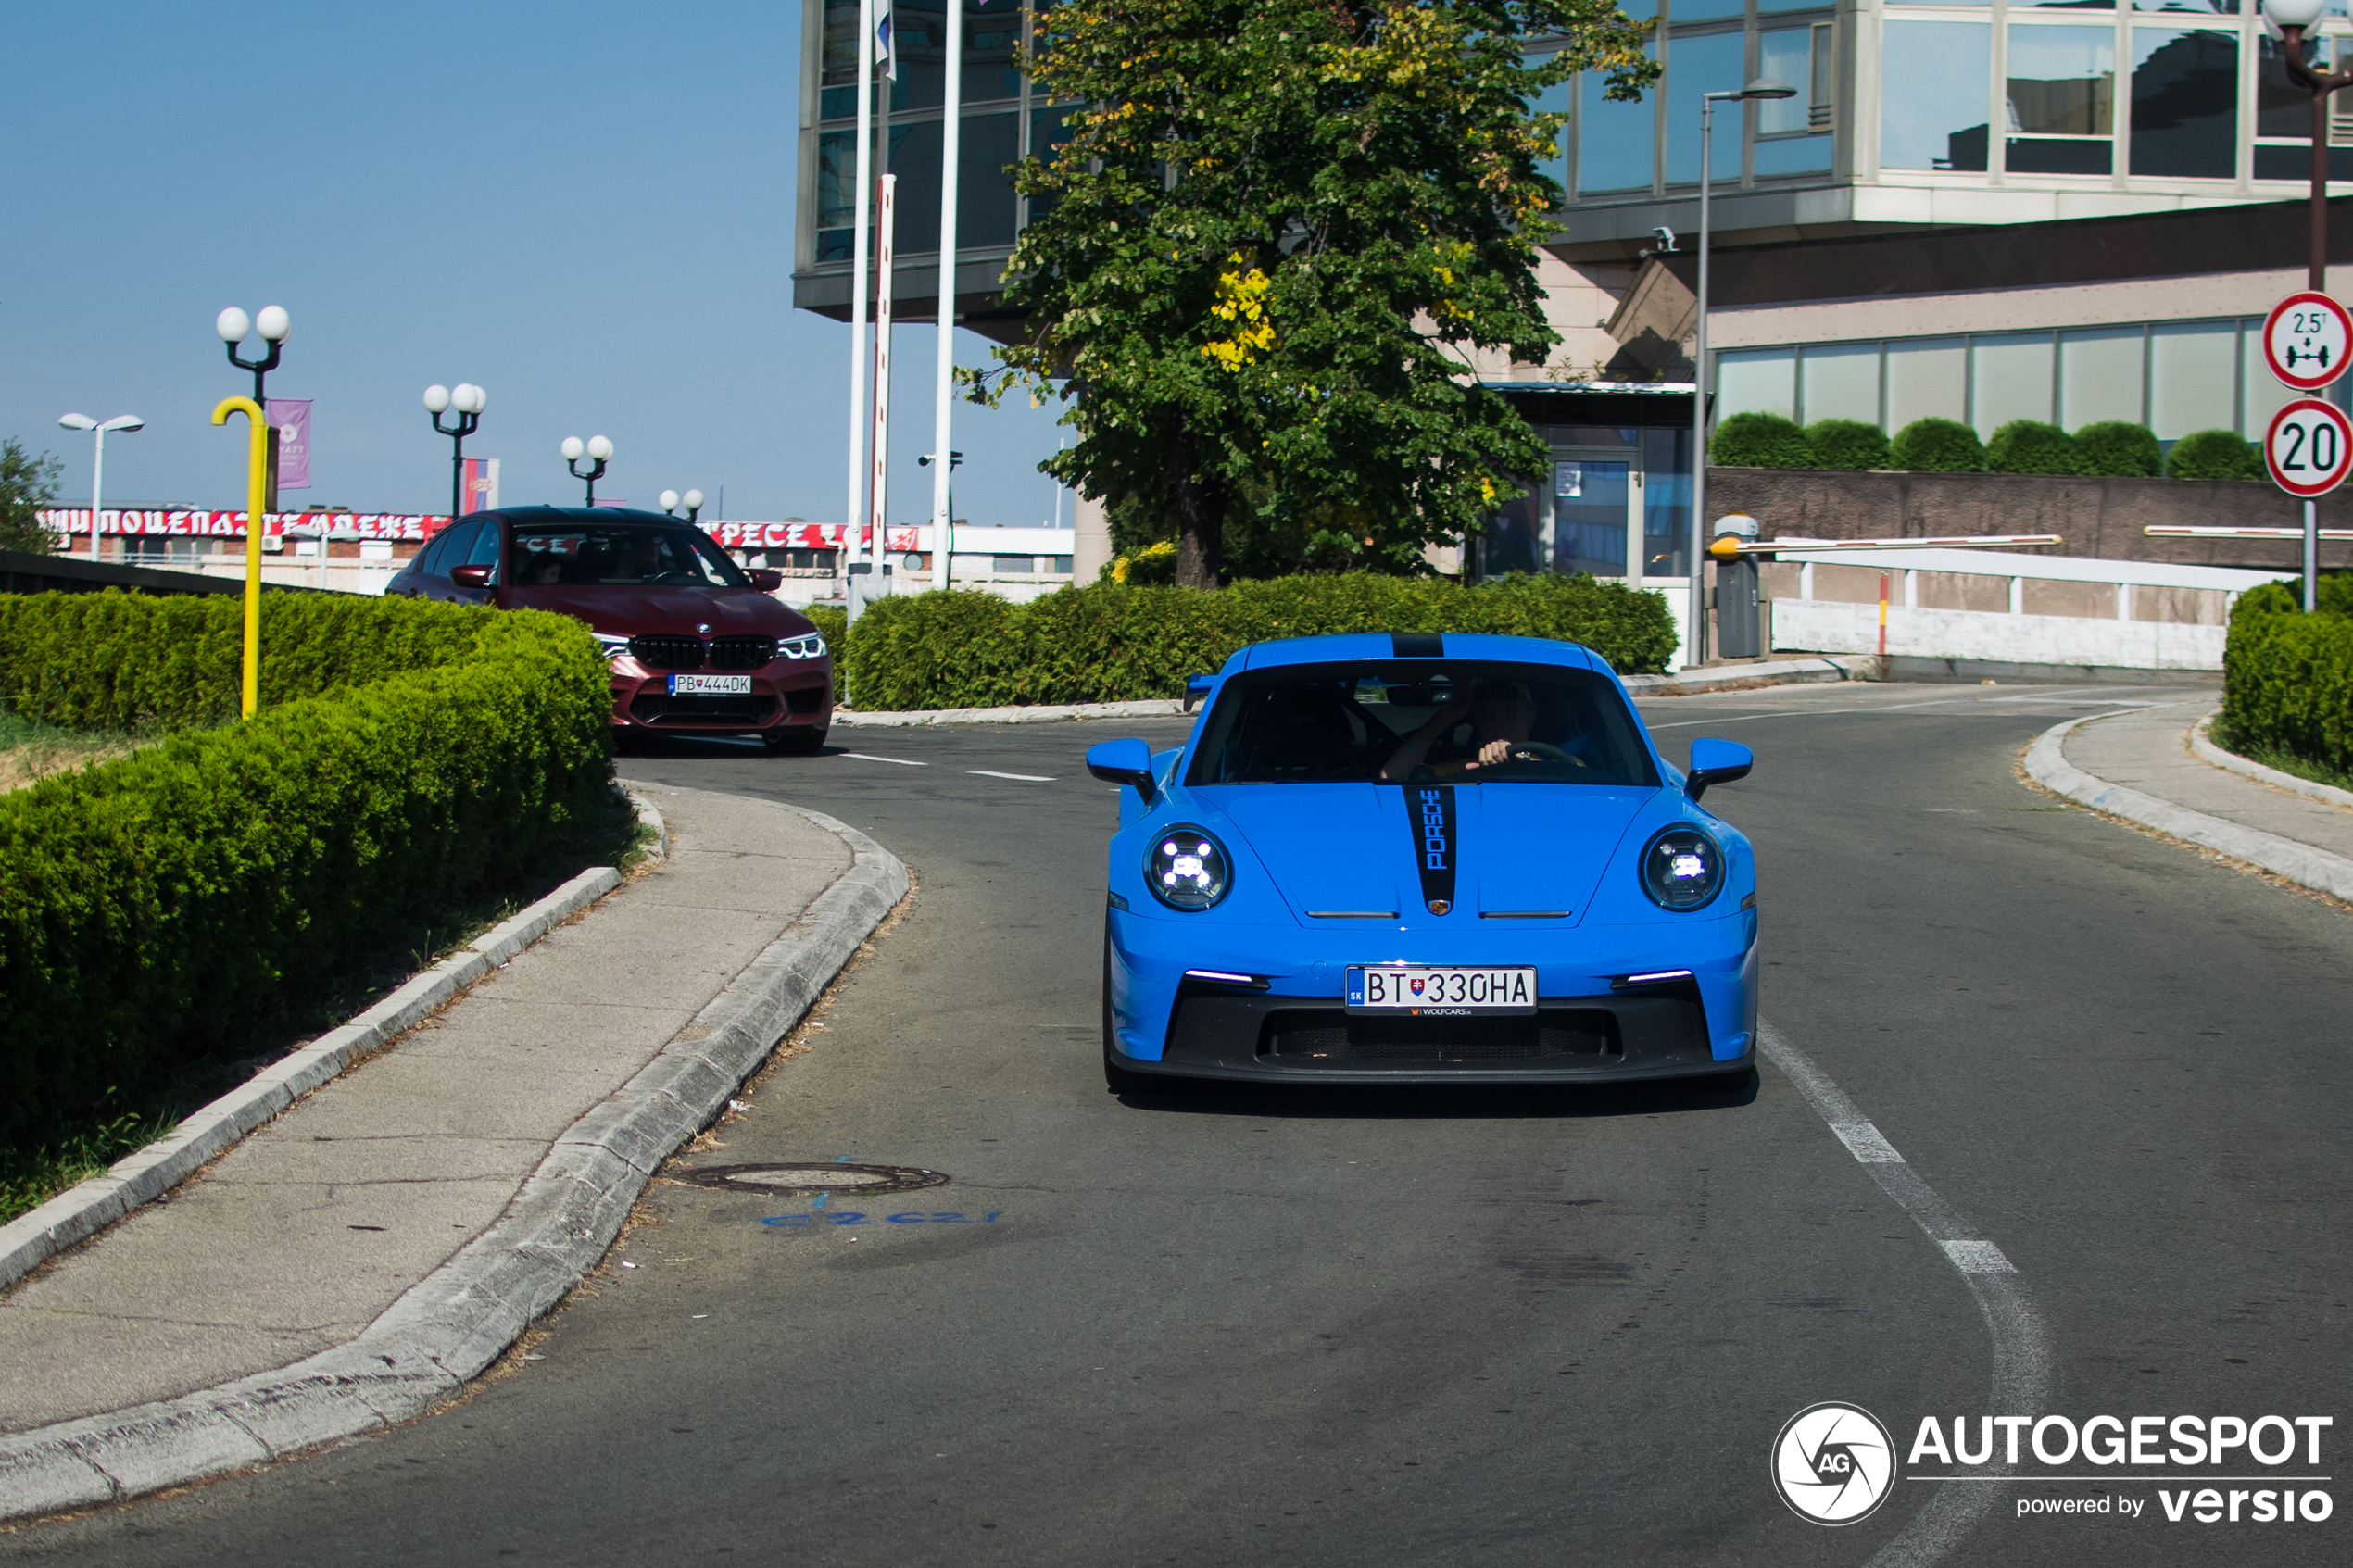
613 647
1681 867
810 646
1187 869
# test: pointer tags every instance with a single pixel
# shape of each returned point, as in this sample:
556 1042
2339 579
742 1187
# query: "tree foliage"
1276 231
27 484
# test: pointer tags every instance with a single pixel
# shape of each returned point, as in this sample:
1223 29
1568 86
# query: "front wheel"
1117 1079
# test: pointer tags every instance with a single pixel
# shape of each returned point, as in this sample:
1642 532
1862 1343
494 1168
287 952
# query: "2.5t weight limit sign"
2308 447
2306 339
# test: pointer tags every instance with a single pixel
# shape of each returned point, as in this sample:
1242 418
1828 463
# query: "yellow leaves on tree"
1241 302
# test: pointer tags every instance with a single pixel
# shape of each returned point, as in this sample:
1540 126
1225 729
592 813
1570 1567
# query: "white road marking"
1023 778
2023 1377
863 756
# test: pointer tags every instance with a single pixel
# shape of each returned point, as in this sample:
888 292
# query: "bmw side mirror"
470 575
1124 763
766 579
1714 762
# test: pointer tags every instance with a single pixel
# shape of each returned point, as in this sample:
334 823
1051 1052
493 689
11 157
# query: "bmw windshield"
1464 722
568 554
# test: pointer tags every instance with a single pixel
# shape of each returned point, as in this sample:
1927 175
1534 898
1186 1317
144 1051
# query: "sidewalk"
2145 765
322 1227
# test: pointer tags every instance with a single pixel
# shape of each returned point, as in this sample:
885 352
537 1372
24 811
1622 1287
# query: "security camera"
1666 238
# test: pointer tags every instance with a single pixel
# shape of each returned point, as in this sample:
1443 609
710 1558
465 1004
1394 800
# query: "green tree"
27 483
1277 231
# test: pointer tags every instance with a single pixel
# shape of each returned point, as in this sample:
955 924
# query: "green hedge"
2031 446
407 754
2119 449
2288 677
1759 441
1112 643
2215 453
1934 446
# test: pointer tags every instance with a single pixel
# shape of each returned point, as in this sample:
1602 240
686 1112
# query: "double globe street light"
598 452
692 500
274 326
124 422
469 400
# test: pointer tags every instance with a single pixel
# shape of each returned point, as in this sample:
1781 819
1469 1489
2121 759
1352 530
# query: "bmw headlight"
1187 868
613 647
1681 867
811 646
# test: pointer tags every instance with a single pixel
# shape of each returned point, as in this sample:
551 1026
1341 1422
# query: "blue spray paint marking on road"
819 1201
852 1217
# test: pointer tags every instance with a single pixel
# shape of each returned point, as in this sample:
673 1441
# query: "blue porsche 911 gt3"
1414 858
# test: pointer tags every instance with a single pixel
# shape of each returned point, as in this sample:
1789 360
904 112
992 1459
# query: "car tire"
1117 1079
794 742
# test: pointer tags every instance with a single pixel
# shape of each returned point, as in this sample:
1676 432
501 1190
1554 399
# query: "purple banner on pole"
290 416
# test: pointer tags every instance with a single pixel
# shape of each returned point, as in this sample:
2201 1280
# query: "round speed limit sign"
2306 339
2308 447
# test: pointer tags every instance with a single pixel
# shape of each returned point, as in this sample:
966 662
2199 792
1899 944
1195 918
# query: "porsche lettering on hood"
1431 810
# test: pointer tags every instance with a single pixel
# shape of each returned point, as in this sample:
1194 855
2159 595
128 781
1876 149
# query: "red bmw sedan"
696 645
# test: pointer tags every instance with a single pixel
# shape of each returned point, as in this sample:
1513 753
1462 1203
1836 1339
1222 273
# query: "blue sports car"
1423 859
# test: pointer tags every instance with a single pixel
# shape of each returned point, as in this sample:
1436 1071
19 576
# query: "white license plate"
1443 992
711 685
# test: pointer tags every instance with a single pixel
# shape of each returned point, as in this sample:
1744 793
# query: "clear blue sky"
587 208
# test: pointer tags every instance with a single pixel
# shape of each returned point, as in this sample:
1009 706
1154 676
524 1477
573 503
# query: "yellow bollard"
256 477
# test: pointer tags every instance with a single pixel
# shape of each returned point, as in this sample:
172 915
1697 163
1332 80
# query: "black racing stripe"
1417 644
1429 812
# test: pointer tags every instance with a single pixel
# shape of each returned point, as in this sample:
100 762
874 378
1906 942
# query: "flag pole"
851 552
943 527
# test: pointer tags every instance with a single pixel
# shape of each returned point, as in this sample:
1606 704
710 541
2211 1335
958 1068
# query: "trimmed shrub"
1934 446
410 753
1107 643
2215 453
833 624
1759 441
2031 446
2118 448
1845 443
2288 677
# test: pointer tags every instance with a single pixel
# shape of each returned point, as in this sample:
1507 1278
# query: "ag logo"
1833 1463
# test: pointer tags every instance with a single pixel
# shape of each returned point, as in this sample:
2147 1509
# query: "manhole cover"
815 1178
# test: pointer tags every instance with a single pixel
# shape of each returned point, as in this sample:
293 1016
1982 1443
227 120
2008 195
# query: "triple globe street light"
469 400
692 500
598 452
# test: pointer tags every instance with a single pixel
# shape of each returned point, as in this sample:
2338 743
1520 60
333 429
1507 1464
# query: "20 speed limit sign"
2308 447
2306 339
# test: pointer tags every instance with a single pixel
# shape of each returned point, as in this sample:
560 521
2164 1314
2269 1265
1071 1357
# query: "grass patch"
2285 762
74 1148
30 751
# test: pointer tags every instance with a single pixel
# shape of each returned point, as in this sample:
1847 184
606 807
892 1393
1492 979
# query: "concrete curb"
2204 750
467 1312
462 1316
1780 672
2300 863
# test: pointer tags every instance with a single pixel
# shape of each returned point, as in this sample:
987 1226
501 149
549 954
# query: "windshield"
1410 723
570 554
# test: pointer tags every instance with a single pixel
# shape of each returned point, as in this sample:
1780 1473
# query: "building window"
1711 62
2193 377
1839 381
1614 140
1927 378
837 194
2186 101
2012 380
2099 375
2062 100
1933 81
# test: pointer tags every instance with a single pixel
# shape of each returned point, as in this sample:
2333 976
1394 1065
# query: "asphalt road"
1419 1326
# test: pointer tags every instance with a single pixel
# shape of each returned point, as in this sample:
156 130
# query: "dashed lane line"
1019 778
902 761
2023 1378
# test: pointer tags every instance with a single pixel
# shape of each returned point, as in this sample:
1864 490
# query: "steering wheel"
665 579
1537 751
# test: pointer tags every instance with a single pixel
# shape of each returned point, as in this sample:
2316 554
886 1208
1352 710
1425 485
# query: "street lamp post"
469 400
692 500
943 541
274 326
600 453
1763 87
2295 17
125 423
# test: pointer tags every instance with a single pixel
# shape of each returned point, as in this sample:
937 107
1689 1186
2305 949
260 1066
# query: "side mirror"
1124 763
766 579
1714 762
473 574
1196 688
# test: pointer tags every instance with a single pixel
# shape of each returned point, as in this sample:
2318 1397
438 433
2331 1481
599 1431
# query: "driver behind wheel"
1501 717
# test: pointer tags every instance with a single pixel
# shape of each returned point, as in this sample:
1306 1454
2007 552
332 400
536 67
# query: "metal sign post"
2309 445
